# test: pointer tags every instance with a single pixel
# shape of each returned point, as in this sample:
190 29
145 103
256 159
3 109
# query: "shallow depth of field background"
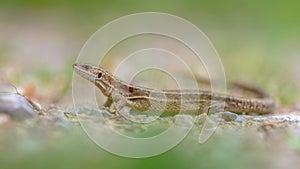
257 41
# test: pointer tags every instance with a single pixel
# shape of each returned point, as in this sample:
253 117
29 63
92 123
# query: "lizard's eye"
100 75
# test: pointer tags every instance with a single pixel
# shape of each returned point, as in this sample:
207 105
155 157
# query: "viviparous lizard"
170 102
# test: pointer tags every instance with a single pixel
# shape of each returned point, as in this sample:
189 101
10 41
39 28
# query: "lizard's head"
100 77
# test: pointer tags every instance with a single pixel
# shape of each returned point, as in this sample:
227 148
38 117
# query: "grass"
258 43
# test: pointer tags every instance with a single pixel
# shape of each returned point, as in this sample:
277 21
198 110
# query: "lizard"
170 102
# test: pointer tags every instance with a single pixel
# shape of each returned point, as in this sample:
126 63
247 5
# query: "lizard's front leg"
108 103
116 106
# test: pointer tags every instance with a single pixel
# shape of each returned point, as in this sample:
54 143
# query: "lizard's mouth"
84 71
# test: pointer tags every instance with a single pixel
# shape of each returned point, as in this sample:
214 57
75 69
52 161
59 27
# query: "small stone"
16 106
228 116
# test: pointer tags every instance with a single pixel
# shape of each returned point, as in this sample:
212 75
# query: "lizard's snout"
81 66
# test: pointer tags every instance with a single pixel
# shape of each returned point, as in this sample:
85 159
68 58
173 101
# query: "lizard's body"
120 94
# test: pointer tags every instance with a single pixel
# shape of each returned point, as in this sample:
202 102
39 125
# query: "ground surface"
257 43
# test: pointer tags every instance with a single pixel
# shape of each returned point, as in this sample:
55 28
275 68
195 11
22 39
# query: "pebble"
228 116
16 106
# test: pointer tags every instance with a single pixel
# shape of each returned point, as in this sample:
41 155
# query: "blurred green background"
258 41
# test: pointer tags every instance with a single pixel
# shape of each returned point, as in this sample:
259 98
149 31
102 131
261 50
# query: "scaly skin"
171 102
